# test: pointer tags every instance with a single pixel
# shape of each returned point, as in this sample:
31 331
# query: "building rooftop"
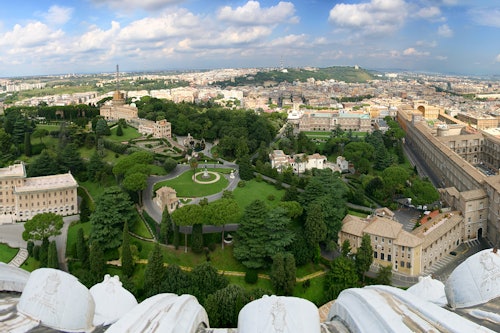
13 171
43 183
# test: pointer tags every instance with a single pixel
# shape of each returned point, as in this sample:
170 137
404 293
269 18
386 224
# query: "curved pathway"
147 195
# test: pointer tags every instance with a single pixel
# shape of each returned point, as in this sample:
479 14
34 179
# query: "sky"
43 37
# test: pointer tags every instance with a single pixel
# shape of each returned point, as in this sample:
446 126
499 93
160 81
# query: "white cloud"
292 41
414 52
131 5
31 35
442 58
57 15
374 17
251 13
97 39
425 43
445 31
429 12
486 16
171 24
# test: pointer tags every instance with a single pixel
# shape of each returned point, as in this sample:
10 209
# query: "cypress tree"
127 260
27 144
82 250
52 260
197 238
119 130
155 271
97 263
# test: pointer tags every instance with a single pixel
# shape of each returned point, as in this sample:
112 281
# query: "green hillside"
274 77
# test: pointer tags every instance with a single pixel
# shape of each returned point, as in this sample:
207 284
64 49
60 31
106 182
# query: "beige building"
298 162
158 129
409 253
117 109
464 160
328 120
166 197
21 197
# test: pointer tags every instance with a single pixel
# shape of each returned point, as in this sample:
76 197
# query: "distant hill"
274 77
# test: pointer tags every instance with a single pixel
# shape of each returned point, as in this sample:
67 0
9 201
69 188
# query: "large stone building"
23 197
117 109
465 163
328 120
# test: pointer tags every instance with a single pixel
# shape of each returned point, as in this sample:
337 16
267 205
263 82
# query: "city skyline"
87 36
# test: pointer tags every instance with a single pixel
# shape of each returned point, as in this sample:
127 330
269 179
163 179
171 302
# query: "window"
402 248
390 241
408 265
381 256
409 256
375 254
382 239
389 257
402 264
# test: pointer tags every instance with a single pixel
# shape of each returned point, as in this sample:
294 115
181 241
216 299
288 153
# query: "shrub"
251 276
36 252
30 247
271 197
242 183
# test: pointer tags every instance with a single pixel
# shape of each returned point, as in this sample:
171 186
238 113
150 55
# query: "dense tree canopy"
261 234
43 226
112 210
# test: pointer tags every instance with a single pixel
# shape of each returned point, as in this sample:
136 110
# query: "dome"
282 314
58 300
390 309
12 278
429 289
112 301
165 313
475 281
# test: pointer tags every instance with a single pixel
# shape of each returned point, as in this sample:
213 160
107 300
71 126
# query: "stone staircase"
20 258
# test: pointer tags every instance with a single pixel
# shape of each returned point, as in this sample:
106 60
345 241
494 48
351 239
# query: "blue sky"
70 36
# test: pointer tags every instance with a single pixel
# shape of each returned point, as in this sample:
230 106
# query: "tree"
169 164
364 256
384 275
205 280
95 166
283 273
134 160
342 275
136 182
40 133
155 271
302 251
224 305
69 159
221 212
346 248
112 210
43 226
27 144
165 226
119 130
176 280
44 252
315 227
261 234
82 249
97 263
193 162
44 165
197 238
187 216
52 259
245 168
127 260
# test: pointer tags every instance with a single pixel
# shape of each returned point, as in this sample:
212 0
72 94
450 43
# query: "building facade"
157 129
23 197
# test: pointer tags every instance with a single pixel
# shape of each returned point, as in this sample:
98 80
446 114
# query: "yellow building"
23 197
409 253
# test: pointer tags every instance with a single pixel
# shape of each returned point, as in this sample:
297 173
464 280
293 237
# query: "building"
409 253
465 161
117 109
166 197
328 120
23 197
298 162
157 129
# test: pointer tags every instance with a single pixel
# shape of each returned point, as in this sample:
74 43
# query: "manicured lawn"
254 190
261 283
139 228
30 264
96 189
7 253
128 134
308 269
314 293
186 187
